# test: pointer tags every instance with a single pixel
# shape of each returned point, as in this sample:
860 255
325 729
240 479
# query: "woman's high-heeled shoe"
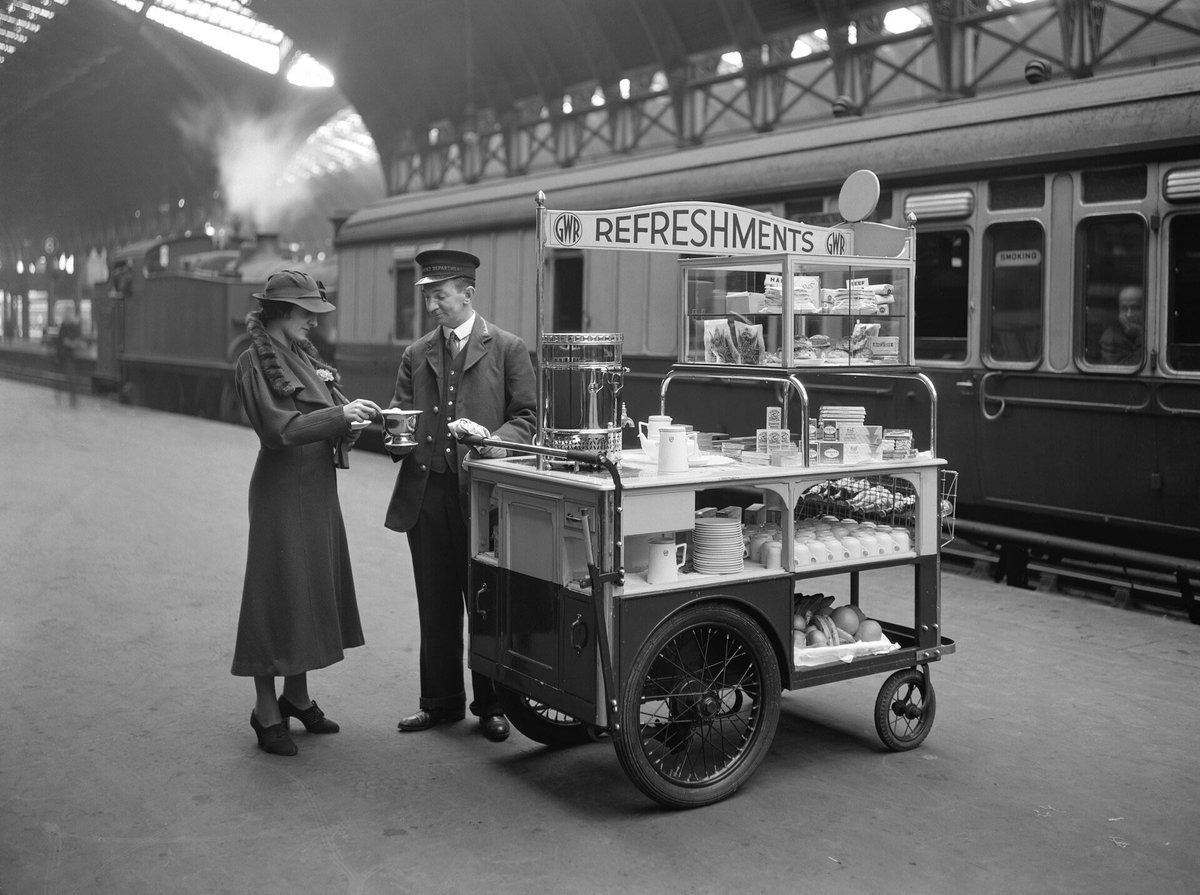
274 739
312 718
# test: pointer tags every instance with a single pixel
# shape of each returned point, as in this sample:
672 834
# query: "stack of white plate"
717 546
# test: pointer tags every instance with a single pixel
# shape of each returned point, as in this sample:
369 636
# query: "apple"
870 630
846 618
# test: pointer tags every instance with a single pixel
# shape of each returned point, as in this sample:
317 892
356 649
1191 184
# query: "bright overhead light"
308 72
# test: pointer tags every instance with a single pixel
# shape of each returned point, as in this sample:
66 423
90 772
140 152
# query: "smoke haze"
252 153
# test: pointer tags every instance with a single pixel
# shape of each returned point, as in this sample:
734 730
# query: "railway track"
1154 584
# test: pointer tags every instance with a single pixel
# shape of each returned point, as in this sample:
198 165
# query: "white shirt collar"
463 331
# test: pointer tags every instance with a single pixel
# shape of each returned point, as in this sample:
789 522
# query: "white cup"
653 423
773 555
665 559
672 449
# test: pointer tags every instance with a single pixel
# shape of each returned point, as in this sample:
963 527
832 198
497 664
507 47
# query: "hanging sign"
702 228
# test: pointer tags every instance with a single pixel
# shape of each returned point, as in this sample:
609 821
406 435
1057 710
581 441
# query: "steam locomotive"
171 322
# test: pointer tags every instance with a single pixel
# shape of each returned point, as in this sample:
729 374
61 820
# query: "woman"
299 609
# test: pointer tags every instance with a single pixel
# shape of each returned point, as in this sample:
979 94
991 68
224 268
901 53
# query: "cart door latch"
479 595
579 634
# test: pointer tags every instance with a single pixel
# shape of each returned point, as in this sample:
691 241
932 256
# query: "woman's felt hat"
298 288
445 264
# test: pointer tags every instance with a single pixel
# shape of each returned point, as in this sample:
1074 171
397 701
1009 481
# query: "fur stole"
278 377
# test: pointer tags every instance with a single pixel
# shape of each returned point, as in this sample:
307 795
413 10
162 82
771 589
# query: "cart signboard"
705 228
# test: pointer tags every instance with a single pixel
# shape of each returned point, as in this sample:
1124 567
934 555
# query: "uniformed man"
467 376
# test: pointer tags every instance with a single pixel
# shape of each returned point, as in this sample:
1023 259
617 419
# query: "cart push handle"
590 457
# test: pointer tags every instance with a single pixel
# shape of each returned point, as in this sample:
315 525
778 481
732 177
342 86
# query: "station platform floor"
1063 758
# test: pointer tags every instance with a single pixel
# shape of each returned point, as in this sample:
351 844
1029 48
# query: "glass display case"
797 311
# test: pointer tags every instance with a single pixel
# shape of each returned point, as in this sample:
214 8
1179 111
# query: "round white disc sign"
859 195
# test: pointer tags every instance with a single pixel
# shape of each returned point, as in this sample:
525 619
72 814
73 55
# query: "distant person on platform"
67 347
467 377
1124 342
299 608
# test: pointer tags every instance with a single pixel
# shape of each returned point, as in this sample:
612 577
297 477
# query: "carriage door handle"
967 385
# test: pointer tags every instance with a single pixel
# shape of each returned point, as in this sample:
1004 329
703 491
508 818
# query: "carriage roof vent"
935 206
1182 185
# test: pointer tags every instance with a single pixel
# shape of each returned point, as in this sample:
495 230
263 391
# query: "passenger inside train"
1124 341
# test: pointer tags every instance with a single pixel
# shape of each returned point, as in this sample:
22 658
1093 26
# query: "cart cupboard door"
530 531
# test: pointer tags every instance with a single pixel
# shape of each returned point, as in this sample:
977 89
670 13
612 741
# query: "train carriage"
1033 212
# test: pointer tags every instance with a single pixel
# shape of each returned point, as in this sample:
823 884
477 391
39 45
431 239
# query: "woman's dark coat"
299 609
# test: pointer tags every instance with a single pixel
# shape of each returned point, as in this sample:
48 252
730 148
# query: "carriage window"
1014 257
412 318
1112 265
942 295
1183 293
1017 192
1114 184
568 293
806 210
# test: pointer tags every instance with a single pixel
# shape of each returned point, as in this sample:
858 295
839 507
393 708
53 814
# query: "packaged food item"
859 434
748 341
771 440
860 339
753 303
806 294
718 343
897 444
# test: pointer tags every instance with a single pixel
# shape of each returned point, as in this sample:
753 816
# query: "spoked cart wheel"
543 724
905 708
700 707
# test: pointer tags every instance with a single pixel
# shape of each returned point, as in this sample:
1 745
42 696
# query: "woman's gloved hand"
360 410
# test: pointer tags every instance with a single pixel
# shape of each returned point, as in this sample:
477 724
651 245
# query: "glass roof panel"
20 22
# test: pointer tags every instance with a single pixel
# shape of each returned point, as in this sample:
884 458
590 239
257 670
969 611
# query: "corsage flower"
325 375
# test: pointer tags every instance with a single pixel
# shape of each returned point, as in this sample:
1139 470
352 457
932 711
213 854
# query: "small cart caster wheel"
543 724
699 708
904 709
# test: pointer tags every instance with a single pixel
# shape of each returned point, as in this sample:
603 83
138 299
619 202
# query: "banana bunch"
805 607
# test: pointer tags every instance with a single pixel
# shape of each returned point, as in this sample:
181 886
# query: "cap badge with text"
445 264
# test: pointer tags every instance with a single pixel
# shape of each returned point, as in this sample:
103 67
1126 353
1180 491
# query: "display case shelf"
798 310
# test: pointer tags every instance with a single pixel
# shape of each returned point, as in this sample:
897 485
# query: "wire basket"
882 499
947 503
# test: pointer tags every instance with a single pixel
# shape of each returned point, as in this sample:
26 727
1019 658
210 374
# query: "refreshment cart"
661 596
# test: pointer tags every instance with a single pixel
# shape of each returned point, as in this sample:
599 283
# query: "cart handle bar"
591 457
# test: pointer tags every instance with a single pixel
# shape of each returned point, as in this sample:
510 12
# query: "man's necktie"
455 345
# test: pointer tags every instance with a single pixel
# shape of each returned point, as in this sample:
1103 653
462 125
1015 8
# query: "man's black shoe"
424 719
494 727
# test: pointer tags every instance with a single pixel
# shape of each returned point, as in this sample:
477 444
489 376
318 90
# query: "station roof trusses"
458 91
408 61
